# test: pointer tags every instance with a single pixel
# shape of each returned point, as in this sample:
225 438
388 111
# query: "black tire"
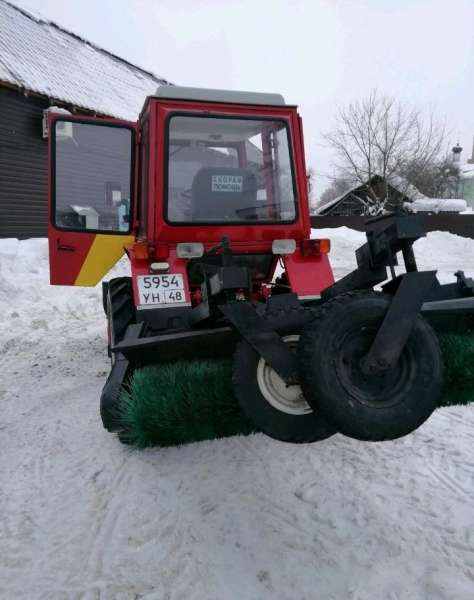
119 305
295 428
377 407
105 291
120 311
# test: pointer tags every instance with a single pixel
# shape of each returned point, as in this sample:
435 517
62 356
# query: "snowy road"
244 518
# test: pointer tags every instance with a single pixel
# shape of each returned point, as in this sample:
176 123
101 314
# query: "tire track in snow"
106 520
450 483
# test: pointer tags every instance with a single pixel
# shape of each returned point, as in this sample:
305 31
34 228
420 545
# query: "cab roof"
176 92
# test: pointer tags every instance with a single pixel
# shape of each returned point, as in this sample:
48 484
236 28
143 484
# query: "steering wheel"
188 194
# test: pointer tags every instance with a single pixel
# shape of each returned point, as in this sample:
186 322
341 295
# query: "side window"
113 193
283 174
92 177
229 156
254 155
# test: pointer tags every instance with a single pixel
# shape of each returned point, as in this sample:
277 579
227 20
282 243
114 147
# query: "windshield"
229 170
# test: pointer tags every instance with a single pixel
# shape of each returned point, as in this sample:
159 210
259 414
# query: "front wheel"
371 407
278 410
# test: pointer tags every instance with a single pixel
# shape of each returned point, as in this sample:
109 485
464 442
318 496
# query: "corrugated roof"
39 56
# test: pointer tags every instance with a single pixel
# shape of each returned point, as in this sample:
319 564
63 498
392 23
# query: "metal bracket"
454 306
115 380
177 345
386 236
399 320
262 337
465 284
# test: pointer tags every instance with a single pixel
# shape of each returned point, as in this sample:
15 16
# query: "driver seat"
221 194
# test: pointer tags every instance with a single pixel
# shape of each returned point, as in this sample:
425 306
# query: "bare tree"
380 136
337 187
439 179
310 177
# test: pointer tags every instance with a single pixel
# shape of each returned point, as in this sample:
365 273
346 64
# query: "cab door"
91 196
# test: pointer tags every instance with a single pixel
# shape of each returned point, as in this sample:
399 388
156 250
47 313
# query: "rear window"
229 170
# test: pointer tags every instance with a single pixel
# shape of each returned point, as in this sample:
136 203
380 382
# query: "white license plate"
160 289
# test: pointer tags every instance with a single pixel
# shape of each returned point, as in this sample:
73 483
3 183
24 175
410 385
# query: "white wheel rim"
288 399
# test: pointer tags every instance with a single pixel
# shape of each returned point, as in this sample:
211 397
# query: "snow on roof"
404 187
467 171
436 205
321 208
39 56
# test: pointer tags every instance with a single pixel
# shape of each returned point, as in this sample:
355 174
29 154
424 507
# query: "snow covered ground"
83 517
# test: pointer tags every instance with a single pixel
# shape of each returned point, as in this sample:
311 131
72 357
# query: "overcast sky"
317 53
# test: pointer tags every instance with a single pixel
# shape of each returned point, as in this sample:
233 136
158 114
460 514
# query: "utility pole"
457 149
471 160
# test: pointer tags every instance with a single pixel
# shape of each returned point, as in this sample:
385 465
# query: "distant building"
43 65
470 161
363 199
467 180
456 156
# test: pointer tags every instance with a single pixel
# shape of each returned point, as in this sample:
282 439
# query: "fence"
459 224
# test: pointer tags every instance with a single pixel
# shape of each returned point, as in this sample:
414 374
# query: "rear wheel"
380 406
118 305
278 410
120 311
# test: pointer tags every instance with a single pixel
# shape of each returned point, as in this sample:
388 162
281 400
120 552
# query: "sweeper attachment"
207 195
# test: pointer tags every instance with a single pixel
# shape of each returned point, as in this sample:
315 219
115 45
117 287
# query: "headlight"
283 246
189 250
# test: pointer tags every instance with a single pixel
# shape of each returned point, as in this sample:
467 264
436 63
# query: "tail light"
140 250
315 247
161 251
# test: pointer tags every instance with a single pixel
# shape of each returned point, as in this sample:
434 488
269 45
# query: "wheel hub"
378 389
285 398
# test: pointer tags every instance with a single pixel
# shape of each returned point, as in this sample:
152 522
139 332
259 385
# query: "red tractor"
207 194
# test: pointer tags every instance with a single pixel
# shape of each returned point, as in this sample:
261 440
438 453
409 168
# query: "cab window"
92 177
229 170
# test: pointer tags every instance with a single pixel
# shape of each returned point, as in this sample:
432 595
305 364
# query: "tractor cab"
199 167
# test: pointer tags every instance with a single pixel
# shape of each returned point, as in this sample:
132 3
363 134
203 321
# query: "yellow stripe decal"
102 256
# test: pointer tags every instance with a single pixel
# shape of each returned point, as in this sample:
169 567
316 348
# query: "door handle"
64 247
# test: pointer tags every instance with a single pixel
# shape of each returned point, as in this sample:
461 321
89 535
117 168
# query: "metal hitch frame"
413 293
398 323
263 338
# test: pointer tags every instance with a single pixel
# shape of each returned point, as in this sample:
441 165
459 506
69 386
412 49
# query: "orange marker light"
140 250
315 247
325 246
